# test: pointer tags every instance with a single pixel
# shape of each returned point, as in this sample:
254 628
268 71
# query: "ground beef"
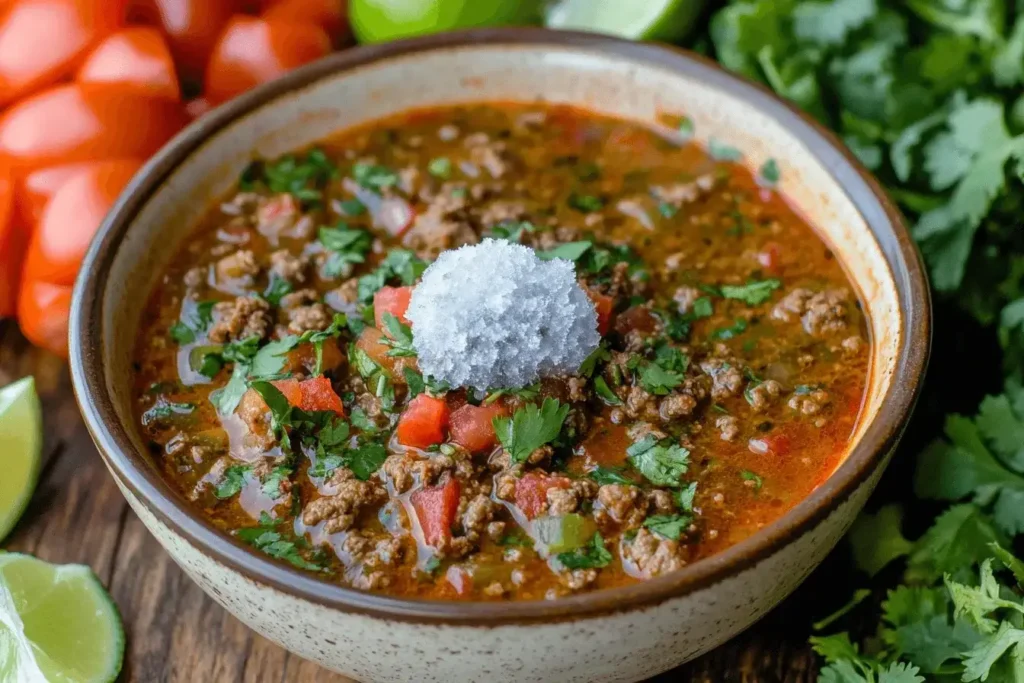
502 211
680 194
675 406
852 345
373 550
578 579
684 298
762 395
491 155
287 266
561 501
625 504
639 404
406 469
238 269
653 554
726 378
444 224
728 426
246 316
478 516
820 313
660 502
578 389
339 511
809 404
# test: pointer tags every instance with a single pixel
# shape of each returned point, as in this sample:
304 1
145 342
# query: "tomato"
318 394
330 15
472 427
290 389
253 51
43 311
35 189
423 423
197 107
371 343
71 219
77 122
435 510
773 444
532 492
393 300
192 27
13 240
770 258
303 358
41 40
138 59
603 304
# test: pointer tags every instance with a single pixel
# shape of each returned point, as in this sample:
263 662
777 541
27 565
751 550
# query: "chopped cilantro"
753 293
657 380
608 475
570 251
589 365
585 203
667 210
232 482
414 381
662 464
685 496
186 331
606 394
302 176
720 151
361 421
277 287
352 207
165 411
512 231
272 484
516 539
769 175
374 176
738 327
325 466
669 526
366 459
756 480
399 336
399 264
440 167
530 427
525 393
685 128
347 248
591 556
267 539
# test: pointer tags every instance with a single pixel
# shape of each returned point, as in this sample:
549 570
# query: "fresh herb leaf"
414 381
374 176
272 484
753 293
591 556
232 482
769 175
277 287
398 337
608 475
366 459
685 496
719 151
530 427
325 466
738 327
512 231
166 411
399 264
755 479
302 176
669 526
198 320
658 380
352 207
525 393
267 540
347 247
877 539
606 394
440 167
570 251
585 203
662 464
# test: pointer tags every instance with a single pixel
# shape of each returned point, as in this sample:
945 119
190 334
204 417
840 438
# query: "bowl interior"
636 82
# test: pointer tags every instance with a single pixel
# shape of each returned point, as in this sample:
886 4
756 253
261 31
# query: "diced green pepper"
563 533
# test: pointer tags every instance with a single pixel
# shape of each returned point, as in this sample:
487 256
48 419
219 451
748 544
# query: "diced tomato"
136 57
770 258
330 15
43 311
371 342
435 510
303 358
318 394
310 395
192 27
532 492
393 300
423 423
13 242
42 40
772 444
603 304
472 427
198 107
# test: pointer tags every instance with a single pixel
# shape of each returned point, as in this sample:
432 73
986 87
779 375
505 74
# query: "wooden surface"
177 634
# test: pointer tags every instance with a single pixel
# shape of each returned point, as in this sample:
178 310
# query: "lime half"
374 21
57 624
665 20
20 447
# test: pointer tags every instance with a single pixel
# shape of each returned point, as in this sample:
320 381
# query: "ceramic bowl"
625 634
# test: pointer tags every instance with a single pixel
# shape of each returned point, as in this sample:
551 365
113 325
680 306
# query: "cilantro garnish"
302 176
272 484
233 481
591 556
512 231
374 176
604 391
440 167
399 264
738 327
570 251
585 203
348 247
685 496
754 478
198 320
753 293
669 526
164 411
657 380
530 427
267 539
719 151
399 336
769 175
277 287
525 393
662 464
608 475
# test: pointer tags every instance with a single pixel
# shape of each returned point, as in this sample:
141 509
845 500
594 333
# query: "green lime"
20 448
375 21
665 20
57 623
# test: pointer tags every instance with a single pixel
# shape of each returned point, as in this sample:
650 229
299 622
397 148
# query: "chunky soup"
279 389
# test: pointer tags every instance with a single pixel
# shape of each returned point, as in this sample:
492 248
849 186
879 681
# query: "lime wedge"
374 21
664 20
57 624
20 446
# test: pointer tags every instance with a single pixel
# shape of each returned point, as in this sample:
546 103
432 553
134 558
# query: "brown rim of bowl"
880 437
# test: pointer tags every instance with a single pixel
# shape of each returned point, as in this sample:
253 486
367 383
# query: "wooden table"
176 633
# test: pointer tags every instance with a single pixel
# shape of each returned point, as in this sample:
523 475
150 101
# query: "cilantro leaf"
347 248
876 539
608 475
959 539
374 176
663 465
232 481
591 556
366 459
669 526
272 484
570 251
657 380
753 293
530 427
399 336
195 323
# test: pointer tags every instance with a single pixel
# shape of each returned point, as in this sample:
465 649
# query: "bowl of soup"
505 355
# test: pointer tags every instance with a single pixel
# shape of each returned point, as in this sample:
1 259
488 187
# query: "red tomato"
435 509
303 358
290 389
604 305
532 492
43 311
472 427
13 240
253 51
76 122
192 27
197 107
41 40
393 300
318 394
371 342
774 444
138 59
423 423
36 188
330 15
770 258
71 219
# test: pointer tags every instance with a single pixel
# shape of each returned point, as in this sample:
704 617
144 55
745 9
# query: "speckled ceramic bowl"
624 634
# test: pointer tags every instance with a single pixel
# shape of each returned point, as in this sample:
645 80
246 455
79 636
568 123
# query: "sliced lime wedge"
57 624
374 21
20 448
665 20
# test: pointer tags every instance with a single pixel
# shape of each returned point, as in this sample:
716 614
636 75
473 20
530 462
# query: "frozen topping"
495 315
